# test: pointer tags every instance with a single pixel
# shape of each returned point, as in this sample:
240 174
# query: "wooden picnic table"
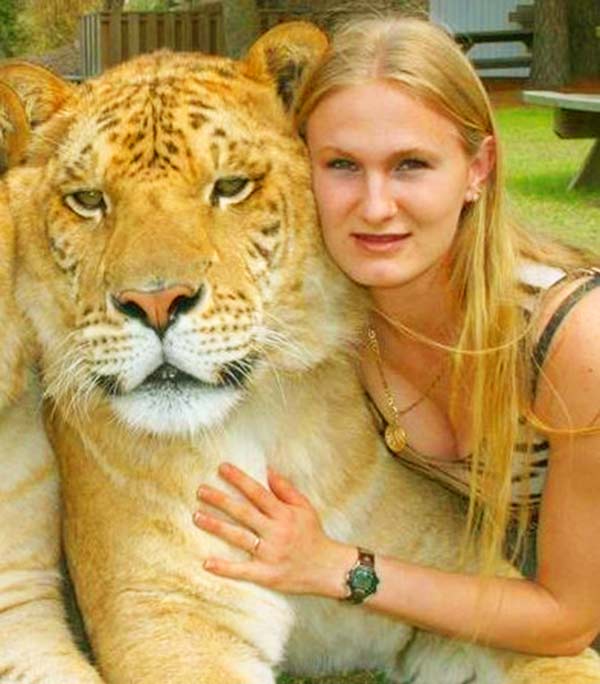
468 39
576 115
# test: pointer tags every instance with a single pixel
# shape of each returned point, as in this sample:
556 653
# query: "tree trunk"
409 6
550 64
584 17
241 25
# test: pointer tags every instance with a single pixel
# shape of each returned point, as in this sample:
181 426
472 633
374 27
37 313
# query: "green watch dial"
364 579
362 582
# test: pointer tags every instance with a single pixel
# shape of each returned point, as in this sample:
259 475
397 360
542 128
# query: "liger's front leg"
35 642
152 613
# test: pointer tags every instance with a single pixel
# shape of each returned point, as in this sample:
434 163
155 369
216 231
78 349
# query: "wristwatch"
361 579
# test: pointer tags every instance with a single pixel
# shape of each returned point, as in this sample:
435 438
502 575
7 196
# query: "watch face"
363 580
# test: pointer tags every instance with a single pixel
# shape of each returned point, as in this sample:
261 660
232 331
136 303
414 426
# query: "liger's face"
390 176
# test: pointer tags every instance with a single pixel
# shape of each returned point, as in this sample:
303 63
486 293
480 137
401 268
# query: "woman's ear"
482 164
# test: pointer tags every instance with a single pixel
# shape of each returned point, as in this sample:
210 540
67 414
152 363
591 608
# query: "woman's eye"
411 164
230 190
342 164
86 203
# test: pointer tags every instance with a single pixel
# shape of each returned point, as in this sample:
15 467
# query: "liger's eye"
86 203
230 190
228 187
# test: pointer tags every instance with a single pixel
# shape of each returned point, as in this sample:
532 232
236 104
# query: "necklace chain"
395 435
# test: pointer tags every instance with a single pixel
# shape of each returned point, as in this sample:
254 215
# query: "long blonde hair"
424 60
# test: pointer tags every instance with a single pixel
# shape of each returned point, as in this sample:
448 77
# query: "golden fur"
35 642
11 359
206 202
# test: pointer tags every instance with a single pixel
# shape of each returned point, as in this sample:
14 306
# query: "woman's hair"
493 349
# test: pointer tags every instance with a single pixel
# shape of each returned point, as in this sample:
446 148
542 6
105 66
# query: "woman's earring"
472 194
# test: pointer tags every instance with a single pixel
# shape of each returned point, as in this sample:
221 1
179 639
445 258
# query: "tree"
565 45
358 6
241 25
584 17
550 63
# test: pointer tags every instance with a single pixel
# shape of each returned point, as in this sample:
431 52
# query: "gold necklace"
394 434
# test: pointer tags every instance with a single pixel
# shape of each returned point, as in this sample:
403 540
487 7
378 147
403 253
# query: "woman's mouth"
373 242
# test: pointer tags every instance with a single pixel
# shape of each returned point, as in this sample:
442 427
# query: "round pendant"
395 438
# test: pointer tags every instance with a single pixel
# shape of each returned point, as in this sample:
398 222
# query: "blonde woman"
481 359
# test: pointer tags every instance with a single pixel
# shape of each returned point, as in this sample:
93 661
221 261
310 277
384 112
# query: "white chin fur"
178 412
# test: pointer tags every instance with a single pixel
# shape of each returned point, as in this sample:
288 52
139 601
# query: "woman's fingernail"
199 517
208 564
201 491
225 467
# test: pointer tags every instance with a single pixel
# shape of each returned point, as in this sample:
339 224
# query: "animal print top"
529 464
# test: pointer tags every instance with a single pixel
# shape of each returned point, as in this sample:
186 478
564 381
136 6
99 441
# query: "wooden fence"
108 38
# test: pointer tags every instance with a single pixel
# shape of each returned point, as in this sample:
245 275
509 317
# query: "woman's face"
390 176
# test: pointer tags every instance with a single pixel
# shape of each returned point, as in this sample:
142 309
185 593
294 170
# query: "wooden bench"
468 39
576 115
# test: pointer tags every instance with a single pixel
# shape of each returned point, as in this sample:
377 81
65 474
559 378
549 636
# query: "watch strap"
365 557
361 579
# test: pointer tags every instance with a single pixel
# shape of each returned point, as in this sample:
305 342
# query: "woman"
481 360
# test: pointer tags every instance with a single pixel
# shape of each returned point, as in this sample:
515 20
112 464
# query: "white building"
483 15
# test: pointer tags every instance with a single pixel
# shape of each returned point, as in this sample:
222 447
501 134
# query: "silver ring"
254 549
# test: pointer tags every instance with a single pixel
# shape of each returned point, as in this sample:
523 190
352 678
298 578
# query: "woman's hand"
281 531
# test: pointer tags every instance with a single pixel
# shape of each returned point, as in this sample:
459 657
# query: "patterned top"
531 452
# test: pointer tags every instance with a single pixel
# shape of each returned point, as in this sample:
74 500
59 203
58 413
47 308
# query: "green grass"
539 166
355 678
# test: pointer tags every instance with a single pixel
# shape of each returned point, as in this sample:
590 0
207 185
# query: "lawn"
356 678
539 166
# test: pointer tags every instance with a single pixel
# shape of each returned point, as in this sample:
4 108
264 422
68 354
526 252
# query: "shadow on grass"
544 185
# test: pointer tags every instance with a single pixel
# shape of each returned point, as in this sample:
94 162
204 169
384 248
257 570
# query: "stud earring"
472 194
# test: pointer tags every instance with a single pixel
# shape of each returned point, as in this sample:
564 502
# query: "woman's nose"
378 204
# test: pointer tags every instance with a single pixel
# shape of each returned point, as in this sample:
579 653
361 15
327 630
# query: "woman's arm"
558 614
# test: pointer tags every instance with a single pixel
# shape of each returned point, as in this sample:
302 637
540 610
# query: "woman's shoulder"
567 350
563 303
549 292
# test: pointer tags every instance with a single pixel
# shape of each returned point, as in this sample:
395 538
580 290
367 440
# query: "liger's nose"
158 308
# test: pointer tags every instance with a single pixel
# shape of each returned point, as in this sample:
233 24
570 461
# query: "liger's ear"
14 128
29 95
287 55
12 368
41 90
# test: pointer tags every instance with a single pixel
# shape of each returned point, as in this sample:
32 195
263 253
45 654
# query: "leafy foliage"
148 5
9 28
52 23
